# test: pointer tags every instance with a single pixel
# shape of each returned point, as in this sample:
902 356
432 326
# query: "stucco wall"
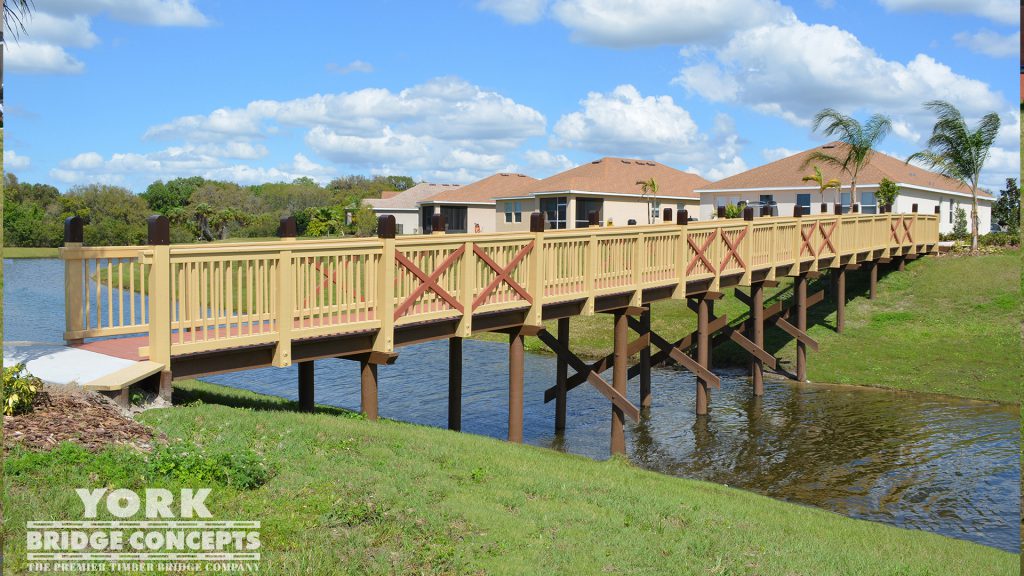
407 222
619 210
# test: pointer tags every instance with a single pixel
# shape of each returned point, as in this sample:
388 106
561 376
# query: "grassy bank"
17 252
946 325
349 496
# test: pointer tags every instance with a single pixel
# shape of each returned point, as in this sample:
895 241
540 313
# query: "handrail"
217 296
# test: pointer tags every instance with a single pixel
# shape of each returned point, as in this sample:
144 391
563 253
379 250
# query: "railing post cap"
74 230
386 226
798 211
666 215
537 221
838 210
682 217
748 213
631 222
593 218
438 223
159 230
913 208
855 208
938 209
287 228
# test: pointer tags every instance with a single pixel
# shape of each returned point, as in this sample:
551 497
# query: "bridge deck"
205 309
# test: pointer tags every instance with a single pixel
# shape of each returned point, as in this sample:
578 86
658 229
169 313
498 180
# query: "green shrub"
733 211
20 389
186 462
960 224
999 239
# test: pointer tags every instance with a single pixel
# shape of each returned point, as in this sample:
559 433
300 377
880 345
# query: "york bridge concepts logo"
155 532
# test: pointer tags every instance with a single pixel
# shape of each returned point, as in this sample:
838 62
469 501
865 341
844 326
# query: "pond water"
917 461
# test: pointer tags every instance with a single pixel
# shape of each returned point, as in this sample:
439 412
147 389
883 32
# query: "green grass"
944 325
15 252
348 496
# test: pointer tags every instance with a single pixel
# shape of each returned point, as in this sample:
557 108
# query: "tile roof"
486 190
409 198
620 176
788 173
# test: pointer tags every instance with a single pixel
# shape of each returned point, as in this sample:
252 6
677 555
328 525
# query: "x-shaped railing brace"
591 373
778 314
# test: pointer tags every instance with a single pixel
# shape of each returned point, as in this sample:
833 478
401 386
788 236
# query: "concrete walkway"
58 364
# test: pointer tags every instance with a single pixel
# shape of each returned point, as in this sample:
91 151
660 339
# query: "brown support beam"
515 387
800 289
757 335
455 384
703 344
621 335
840 299
562 374
165 388
590 376
645 361
873 282
306 386
901 264
711 347
368 389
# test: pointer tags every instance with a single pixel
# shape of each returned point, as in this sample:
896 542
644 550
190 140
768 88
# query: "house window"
508 212
767 199
455 218
554 210
868 203
425 214
950 210
585 206
656 211
518 212
844 199
803 200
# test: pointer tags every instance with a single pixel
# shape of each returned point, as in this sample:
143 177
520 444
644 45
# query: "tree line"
199 209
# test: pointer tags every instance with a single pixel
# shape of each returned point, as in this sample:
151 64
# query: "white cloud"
12 161
626 123
516 11
84 161
904 130
990 43
353 66
146 12
773 154
792 71
58 25
544 163
653 22
1002 11
36 58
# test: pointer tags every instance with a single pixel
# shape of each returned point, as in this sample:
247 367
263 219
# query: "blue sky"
129 91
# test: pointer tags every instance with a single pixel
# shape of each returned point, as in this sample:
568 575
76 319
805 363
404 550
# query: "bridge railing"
198 298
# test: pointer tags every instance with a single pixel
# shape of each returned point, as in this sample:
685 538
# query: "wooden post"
515 387
306 386
159 233
800 289
621 355
74 322
562 374
703 346
873 282
645 361
901 264
710 354
840 298
384 341
368 389
455 384
285 296
757 335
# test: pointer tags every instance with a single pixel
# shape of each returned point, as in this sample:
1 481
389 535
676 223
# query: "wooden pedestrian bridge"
192 310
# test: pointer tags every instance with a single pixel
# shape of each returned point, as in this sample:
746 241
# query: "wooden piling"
562 375
840 299
757 335
621 356
873 282
306 386
455 384
800 290
645 361
368 389
703 349
515 387
901 264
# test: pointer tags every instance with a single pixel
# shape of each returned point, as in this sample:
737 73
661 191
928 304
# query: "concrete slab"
58 364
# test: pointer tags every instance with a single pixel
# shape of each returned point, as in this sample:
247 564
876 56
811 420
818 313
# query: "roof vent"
626 162
829 146
596 162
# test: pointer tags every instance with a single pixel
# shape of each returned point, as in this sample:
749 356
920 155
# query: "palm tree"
860 142
822 183
648 189
957 152
15 14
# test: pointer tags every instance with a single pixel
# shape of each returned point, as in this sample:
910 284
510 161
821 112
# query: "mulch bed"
85 418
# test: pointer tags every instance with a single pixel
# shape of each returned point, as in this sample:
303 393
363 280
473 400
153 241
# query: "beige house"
780 184
470 208
404 205
607 186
